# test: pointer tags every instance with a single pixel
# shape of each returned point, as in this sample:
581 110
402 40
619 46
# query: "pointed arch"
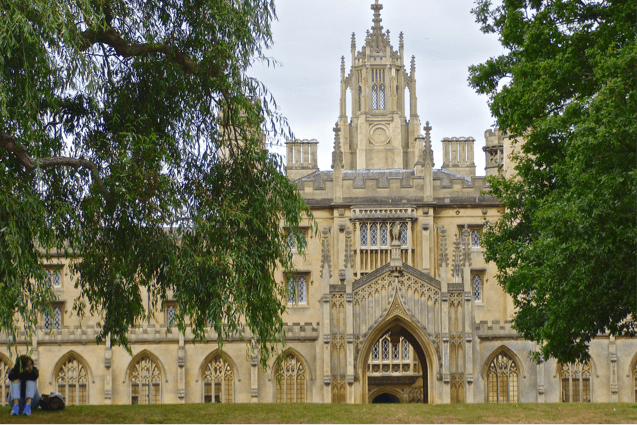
72 377
5 367
218 373
575 381
145 374
501 373
386 390
398 318
291 378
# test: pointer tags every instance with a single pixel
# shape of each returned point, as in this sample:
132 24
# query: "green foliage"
132 138
566 245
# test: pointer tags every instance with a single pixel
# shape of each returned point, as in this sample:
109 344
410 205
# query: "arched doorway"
385 398
393 359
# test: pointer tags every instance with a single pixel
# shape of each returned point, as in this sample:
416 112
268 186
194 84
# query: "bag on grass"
53 401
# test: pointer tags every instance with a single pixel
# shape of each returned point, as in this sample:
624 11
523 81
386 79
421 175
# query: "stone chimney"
301 158
457 155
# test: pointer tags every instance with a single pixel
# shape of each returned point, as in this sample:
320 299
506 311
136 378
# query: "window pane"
56 278
383 234
291 291
403 234
475 239
57 317
477 287
396 353
170 315
373 234
302 290
381 96
375 352
374 97
364 234
405 350
385 349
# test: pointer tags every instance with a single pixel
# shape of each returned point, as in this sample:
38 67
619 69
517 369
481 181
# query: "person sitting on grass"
24 390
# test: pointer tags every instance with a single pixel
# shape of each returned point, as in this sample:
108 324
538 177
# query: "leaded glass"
57 317
576 381
301 290
375 352
363 234
291 291
56 278
291 241
170 315
403 234
374 97
383 234
405 350
475 239
385 349
373 234
145 382
396 353
477 287
46 322
381 96
220 375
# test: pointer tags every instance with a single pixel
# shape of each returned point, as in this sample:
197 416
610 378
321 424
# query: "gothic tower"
380 134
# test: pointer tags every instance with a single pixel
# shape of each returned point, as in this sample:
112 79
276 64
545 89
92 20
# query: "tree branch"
10 144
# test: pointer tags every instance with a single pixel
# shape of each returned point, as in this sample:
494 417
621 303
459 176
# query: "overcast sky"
311 36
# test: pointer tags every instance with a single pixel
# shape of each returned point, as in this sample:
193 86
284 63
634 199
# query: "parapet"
495 330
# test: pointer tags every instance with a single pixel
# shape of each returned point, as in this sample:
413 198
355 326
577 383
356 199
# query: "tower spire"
376 7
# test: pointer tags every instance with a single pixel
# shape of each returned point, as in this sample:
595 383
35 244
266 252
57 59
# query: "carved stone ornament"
325 252
443 258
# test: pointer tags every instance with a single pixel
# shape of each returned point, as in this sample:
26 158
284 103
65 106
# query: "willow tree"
132 139
566 245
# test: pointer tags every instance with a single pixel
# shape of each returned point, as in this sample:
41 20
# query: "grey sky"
311 36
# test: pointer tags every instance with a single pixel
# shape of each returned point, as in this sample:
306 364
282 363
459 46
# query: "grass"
336 413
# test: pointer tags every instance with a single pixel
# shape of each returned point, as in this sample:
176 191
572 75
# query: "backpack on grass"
53 401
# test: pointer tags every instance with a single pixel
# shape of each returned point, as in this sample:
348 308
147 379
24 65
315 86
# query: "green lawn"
339 413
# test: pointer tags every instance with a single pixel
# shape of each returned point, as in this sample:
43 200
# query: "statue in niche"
395 232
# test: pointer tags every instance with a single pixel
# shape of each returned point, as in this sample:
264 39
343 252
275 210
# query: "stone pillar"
108 373
444 316
426 267
540 381
612 356
468 310
254 376
181 370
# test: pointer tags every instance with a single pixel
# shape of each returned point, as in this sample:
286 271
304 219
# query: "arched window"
502 379
373 235
218 381
476 283
145 382
374 97
72 381
291 379
5 367
391 357
381 97
576 381
360 96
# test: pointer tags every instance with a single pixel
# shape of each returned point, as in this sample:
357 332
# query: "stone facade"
393 301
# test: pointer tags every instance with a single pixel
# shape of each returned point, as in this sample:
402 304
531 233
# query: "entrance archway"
385 398
398 329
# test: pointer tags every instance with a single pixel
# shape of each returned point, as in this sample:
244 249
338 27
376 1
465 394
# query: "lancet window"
502 379
387 357
5 384
145 382
72 382
291 380
381 96
476 283
576 381
53 321
218 381
374 97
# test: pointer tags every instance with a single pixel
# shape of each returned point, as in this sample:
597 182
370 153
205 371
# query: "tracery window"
502 379
218 381
55 276
385 343
363 234
387 357
374 97
297 289
403 234
5 384
72 382
381 96
476 283
475 238
291 380
145 381
576 381
405 349
373 234
171 309
383 234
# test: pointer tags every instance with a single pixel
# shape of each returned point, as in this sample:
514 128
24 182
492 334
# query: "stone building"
393 302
